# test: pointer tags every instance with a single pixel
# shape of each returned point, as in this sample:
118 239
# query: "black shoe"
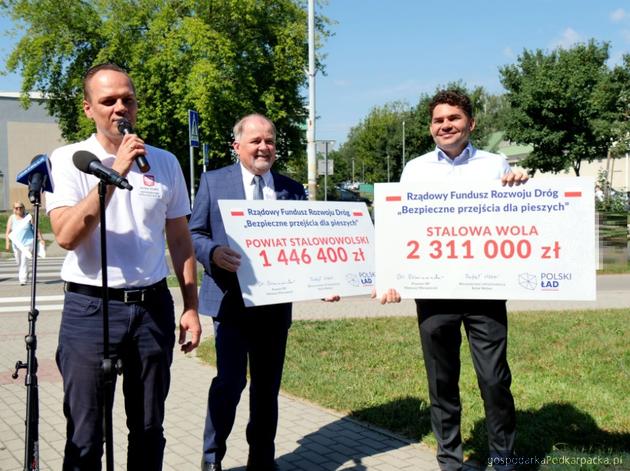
252 466
210 466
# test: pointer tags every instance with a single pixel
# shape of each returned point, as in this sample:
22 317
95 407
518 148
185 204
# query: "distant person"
599 193
20 234
140 224
243 335
440 320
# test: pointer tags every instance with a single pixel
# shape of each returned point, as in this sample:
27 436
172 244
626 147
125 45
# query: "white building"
619 171
24 133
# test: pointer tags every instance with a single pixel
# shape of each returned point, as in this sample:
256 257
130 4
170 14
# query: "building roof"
513 152
494 141
17 95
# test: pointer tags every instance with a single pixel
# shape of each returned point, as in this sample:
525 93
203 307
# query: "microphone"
37 176
89 163
124 127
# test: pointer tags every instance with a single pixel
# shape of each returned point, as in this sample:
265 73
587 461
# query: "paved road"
309 437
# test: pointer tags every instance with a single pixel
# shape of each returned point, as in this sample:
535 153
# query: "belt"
125 295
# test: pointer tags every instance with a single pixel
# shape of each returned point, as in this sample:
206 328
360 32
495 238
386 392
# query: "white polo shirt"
135 219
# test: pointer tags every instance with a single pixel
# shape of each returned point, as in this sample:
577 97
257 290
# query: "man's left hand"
189 323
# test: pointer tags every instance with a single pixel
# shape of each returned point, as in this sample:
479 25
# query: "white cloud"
568 38
508 52
618 15
625 34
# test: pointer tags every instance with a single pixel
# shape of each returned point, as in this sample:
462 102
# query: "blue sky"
385 51
390 50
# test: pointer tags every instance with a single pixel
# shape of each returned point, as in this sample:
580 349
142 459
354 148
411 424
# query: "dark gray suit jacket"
220 293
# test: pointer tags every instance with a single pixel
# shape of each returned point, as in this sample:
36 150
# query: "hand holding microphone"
89 163
124 127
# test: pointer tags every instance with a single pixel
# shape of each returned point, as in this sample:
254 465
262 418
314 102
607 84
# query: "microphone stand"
31 438
108 368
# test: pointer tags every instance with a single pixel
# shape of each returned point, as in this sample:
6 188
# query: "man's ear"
87 109
473 123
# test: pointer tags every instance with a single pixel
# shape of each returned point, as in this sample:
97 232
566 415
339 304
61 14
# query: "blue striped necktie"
258 188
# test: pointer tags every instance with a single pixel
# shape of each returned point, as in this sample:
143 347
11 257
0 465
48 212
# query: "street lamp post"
353 169
403 144
326 171
310 128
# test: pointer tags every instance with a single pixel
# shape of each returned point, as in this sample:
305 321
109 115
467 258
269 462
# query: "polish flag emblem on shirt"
149 180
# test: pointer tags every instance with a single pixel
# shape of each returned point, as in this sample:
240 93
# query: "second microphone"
124 127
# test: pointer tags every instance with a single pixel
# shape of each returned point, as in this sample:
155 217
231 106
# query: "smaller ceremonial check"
460 240
298 250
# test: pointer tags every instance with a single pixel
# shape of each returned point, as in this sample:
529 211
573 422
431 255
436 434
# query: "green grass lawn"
571 377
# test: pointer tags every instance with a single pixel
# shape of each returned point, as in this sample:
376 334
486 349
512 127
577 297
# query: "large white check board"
298 250
460 240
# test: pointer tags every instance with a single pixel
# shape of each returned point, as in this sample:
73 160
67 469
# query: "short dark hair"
96 69
451 97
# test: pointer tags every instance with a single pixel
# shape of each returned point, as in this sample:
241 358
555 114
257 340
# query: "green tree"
223 58
553 109
611 99
378 136
492 116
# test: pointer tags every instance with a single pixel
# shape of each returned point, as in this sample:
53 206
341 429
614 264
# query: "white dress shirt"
269 192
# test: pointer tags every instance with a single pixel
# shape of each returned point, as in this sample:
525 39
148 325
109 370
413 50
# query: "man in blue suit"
257 335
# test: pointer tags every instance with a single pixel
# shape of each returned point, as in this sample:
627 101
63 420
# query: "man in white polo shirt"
141 310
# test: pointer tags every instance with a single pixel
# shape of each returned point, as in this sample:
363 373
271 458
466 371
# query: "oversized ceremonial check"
298 250
461 240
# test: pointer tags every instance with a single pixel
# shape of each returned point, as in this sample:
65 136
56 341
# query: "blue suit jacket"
220 293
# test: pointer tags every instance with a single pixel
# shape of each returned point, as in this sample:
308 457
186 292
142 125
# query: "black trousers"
485 322
143 336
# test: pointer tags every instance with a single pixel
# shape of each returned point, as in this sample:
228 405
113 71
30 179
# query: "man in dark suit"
257 335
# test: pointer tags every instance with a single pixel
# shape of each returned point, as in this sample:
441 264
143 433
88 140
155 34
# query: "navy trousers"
257 337
143 336
485 323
